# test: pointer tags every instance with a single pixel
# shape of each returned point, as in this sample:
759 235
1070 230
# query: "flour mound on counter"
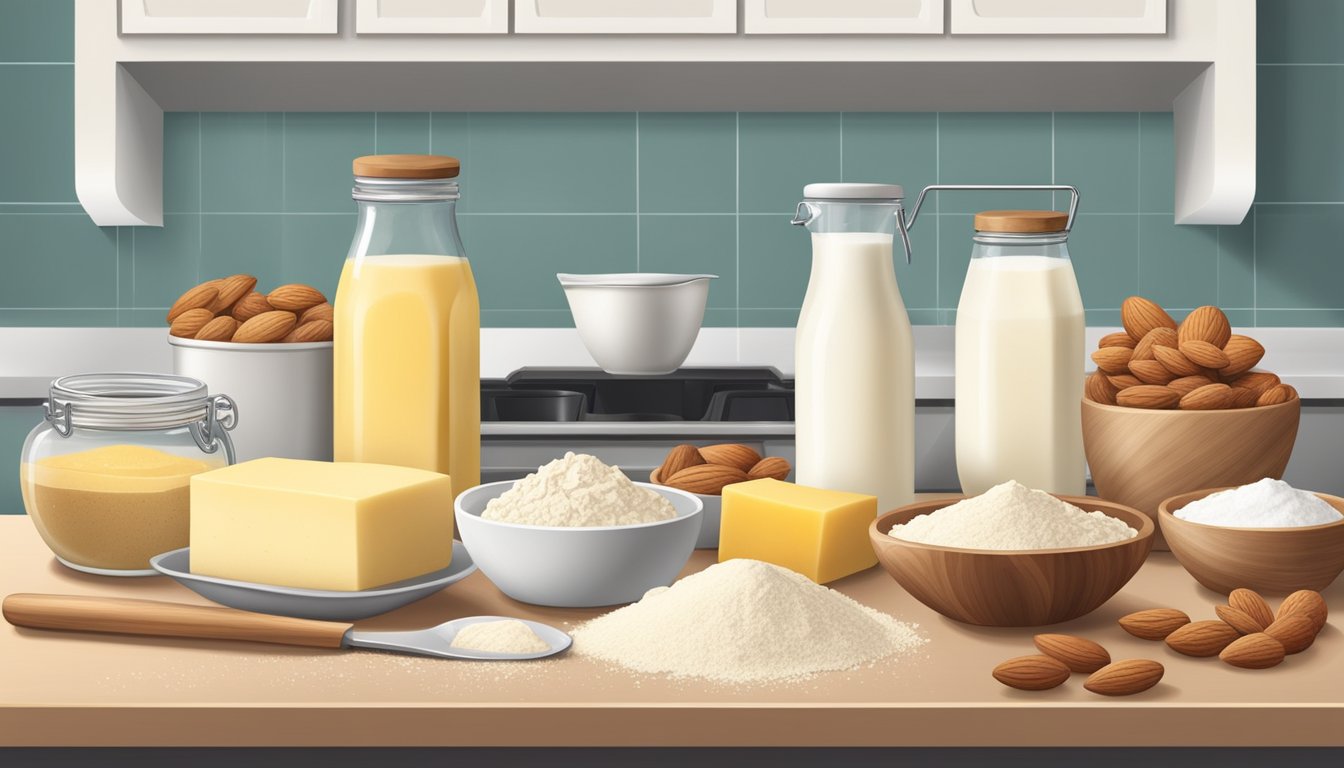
744 621
1268 503
1013 516
578 491
504 636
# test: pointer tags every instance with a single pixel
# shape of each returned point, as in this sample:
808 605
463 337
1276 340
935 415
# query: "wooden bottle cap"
407 166
1023 222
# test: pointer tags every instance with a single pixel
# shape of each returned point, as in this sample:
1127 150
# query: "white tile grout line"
937 208
284 141
638 238
842 147
200 195
1138 204
1255 265
430 143
737 224
375 133
1052 159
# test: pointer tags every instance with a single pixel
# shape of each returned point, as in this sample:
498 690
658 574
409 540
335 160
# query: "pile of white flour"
578 491
1013 516
504 636
744 621
1268 503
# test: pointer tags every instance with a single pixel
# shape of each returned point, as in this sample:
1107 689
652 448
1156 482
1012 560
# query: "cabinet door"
1059 17
841 17
229 17
431 17
620 17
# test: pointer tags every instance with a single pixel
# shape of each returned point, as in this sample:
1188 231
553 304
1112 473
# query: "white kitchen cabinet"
625 17
228 17
842 17
431 17
1059 17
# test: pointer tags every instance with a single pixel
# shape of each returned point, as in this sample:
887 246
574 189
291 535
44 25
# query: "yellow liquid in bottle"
407 365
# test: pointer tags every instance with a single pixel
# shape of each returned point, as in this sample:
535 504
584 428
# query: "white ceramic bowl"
283 392
637 323
578 567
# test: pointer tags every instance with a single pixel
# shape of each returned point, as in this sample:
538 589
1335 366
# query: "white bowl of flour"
575 540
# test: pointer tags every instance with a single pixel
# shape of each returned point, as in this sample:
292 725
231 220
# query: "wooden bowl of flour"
1272 561
1012 588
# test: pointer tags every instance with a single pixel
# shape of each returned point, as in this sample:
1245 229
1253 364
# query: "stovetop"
593 395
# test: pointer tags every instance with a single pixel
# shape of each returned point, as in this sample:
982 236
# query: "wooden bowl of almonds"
1176 407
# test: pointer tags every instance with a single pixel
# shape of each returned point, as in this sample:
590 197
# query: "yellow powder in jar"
111 507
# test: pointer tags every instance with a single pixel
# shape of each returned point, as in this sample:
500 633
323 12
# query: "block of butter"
818 533
320 525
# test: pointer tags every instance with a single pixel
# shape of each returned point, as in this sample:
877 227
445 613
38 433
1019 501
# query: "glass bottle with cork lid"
407 324
1020 356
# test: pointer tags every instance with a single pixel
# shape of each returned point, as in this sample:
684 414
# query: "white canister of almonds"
282 390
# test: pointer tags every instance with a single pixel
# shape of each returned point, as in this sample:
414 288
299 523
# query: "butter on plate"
320 525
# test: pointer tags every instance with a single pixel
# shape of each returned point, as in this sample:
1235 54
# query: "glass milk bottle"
1019 357
407 330
854 354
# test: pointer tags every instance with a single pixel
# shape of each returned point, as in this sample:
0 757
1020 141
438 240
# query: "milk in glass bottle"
854 352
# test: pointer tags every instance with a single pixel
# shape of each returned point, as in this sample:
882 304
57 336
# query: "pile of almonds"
1062 655
1246 633
706 470
231 309
1198 364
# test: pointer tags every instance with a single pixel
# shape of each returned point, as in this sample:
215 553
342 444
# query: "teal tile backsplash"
269 193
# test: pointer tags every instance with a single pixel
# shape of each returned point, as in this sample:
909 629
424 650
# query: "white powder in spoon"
504 636
1268 503
744 621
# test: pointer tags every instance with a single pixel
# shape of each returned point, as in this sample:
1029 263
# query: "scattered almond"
1296 632
1201 638
323 311
1125 678
1139 316
1239 620
200 297
1099 389
1113 360
1155 623
1118 339
266 327
1254 651
1032 673
1148 396
309 332
1187 384
1308 602
231 289
1252 604
770 466
1210 397
1277 394
1204 354
1243 353
743 457
221 328
1158 337
1206 323
1150 371
187 324
679 458
1078 653
250 306
1175 361
295 297
705 479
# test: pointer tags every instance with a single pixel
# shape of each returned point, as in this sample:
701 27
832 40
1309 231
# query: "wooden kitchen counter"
72 689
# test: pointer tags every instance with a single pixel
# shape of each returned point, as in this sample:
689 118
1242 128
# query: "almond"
1031 673
1099 390
1206 323
1158 337
1150 371
250 306
221 328
743 457
1187 384
1078 653
200 297
321 311
1202 638
268 326
1204 354
1175 361
1119 339
1154 623
1139 316
770 466
1295 631
1243 353
1148 396
187 324
295 297
1307 602
1124 381
1113 360
309 332
1242 398
679 458
1279 393
705 479
1125 678
1254 651
1210 397
231 289
1252 604
1238 619
1257 381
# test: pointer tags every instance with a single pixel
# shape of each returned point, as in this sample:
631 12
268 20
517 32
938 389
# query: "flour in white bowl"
1268 503
578 491
1013 516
